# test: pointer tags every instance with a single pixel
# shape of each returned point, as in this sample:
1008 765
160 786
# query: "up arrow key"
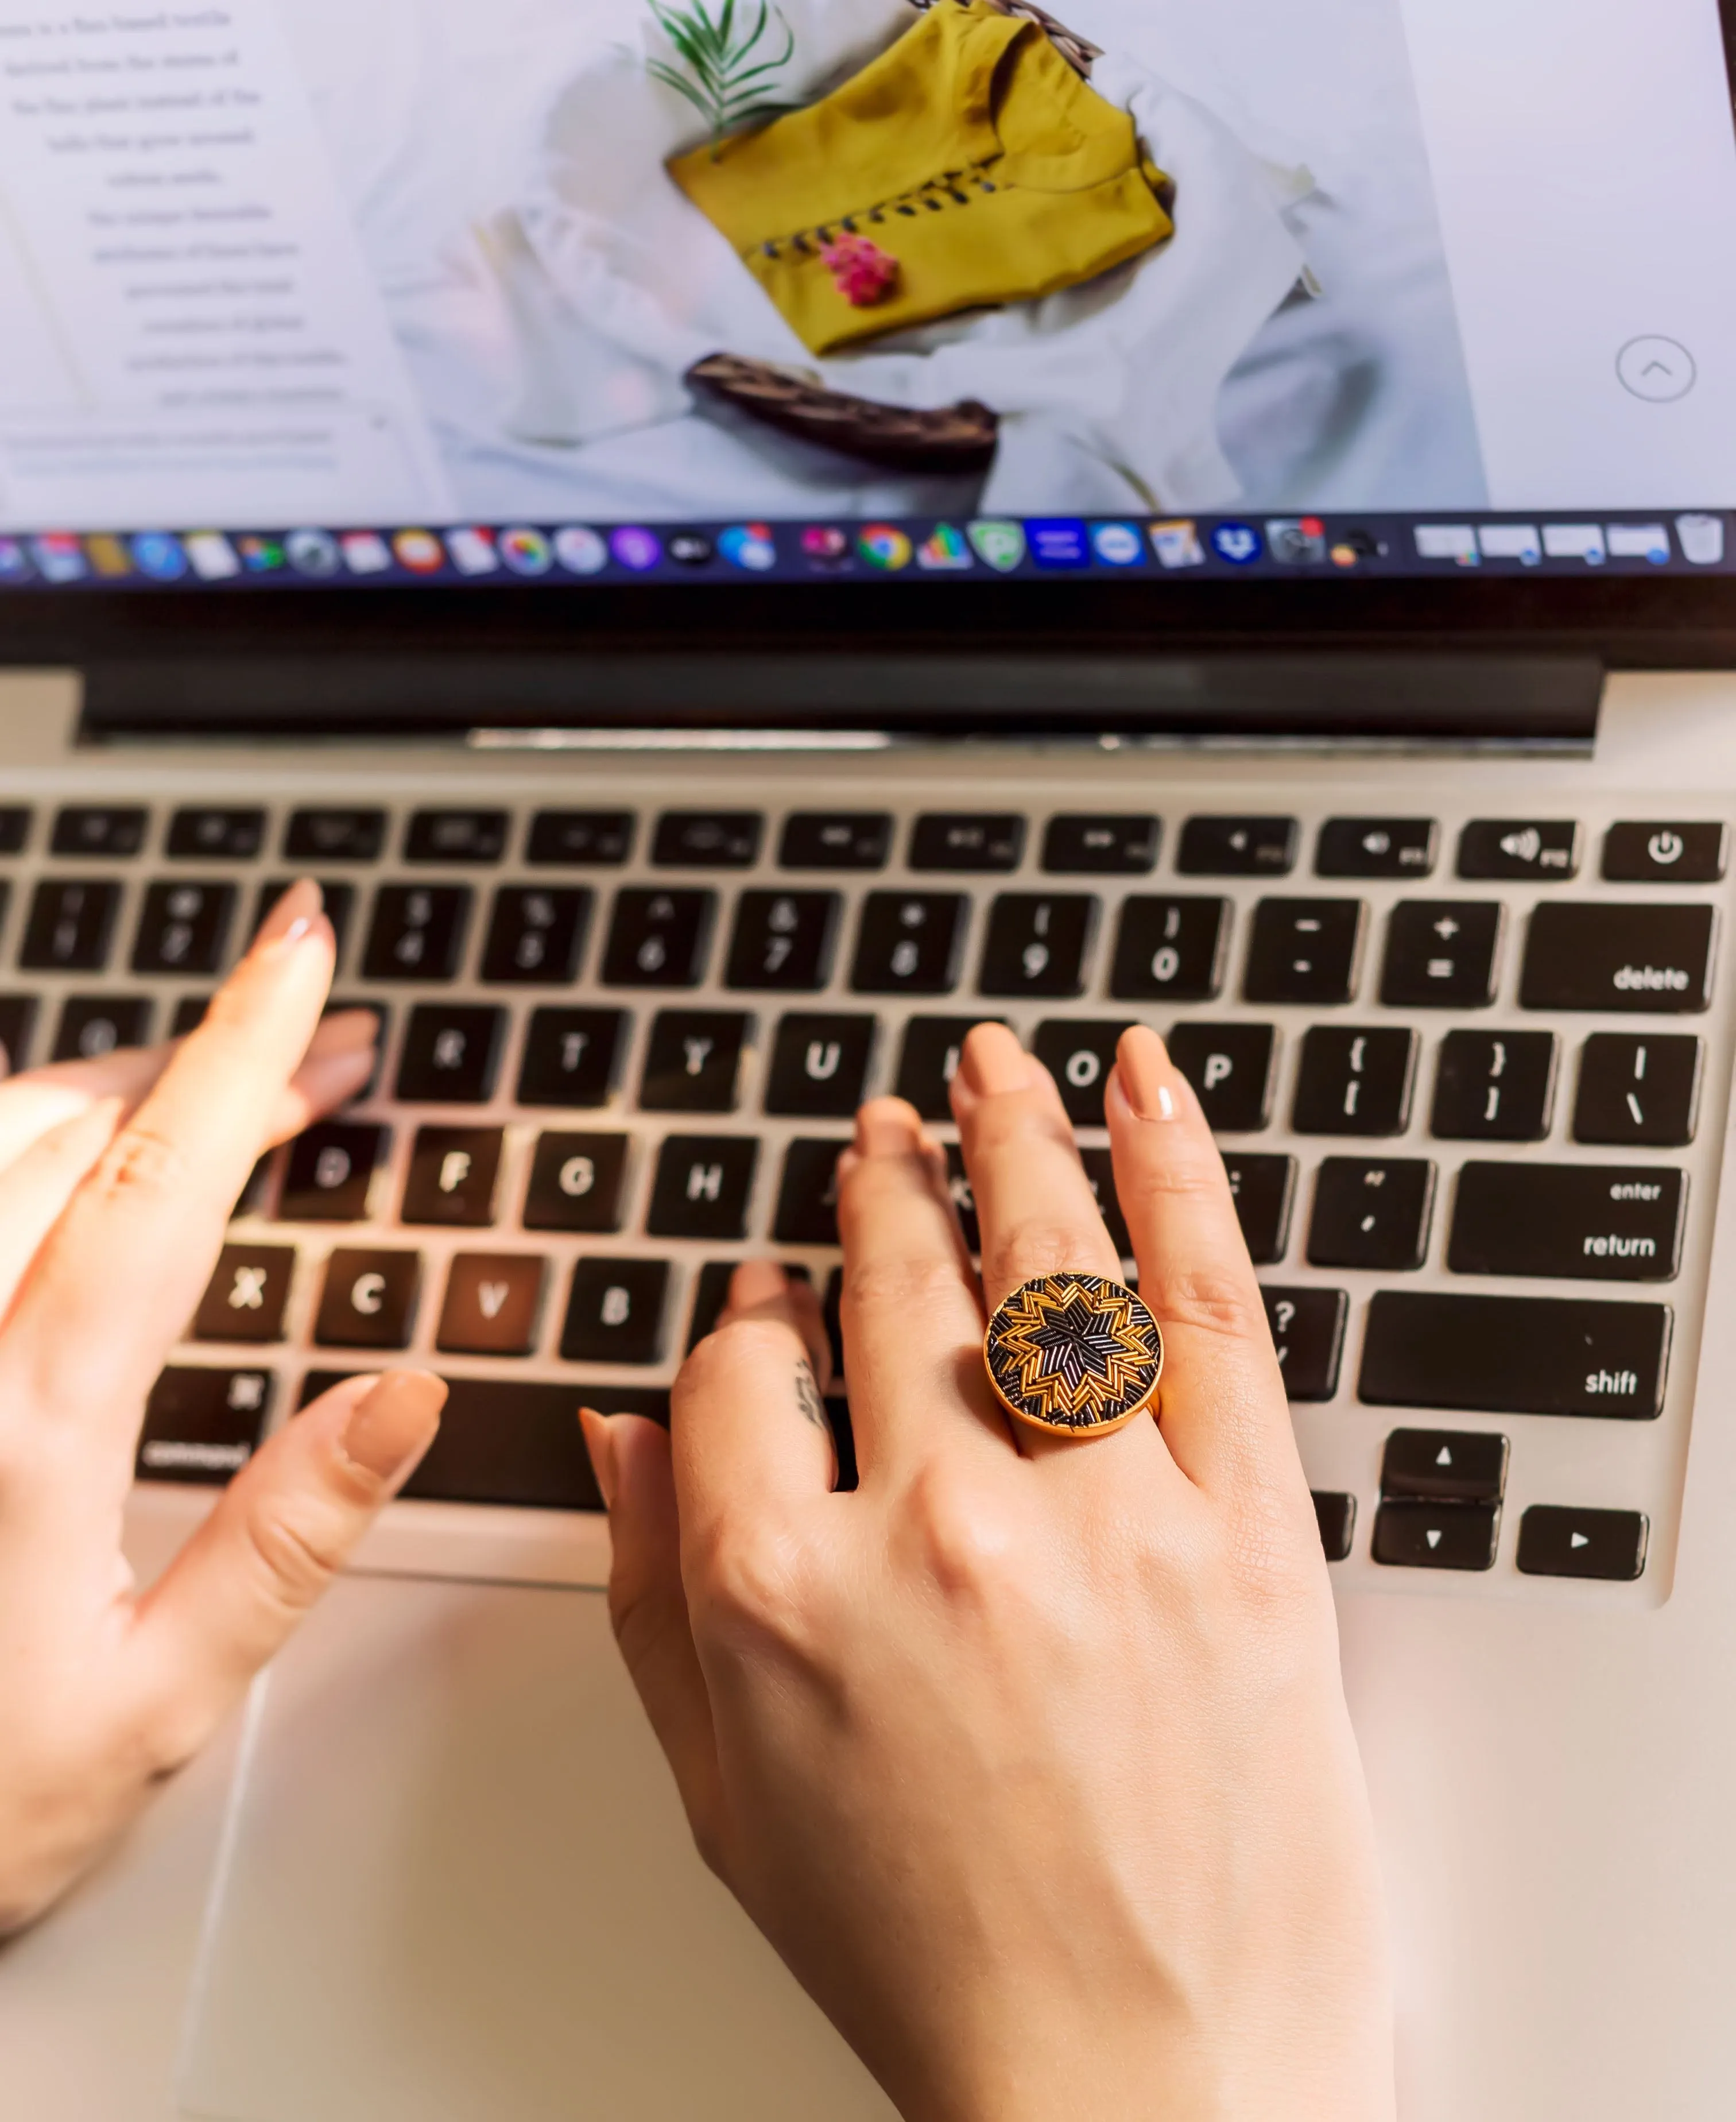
1444 1457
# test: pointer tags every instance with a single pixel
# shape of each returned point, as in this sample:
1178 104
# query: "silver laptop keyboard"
1459 1067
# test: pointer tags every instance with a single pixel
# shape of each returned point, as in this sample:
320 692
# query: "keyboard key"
70 926
1594 1222
1335 1515
338 899
452 1176
1304 951
246 1298
331 1167
208 834
703 1186
1086 845
451 1052
418 932
493 1304
456 836
1355 1082
335 834
369 1299
820 1065
1099 1168
659 939
909 942
1037 943
930 1060
968 840
1372 1215
92 1025
513 1441
1230 1068
104 829
535 935
614 1312
601 840
708 840
1264 1190
1540 851
183 928
836 839
578 1182
783 939
711 1293
1494 1086
1079 1054
1307 1332
1436 1536
15 828
1445 1466
1515 1355
1376 847
1442 954
1665 854
203 1426
17 1026
1589 956
188 1014
1639 1087
807 1198
693 1061
1237 846
1170 950
571 1056
963 1197
1558 1542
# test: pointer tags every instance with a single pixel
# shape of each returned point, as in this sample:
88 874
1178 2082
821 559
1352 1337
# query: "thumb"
285 1526
648 1608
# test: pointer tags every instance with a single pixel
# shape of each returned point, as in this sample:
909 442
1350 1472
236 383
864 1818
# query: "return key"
1596 1222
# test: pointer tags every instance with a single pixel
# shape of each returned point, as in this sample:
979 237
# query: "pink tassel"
862 272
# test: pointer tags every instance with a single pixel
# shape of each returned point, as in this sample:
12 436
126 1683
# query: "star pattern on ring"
1074 1351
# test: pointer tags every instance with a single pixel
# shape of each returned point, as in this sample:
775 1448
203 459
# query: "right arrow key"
1555 1541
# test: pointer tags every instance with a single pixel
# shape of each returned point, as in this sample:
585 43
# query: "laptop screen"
299 292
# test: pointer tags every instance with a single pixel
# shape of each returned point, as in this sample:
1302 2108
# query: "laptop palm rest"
460 1889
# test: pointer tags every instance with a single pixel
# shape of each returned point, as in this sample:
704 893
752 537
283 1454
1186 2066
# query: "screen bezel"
1667 621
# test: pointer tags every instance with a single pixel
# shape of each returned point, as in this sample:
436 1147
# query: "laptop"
1233 533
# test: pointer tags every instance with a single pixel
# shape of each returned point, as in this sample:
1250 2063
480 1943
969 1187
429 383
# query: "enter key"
1594 1222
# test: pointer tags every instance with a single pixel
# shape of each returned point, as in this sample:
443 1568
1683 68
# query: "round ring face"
1076 1354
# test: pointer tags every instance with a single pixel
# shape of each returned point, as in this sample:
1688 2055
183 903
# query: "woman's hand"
117 1178
1030 1757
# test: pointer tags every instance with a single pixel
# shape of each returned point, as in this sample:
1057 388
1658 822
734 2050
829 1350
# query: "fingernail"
292 917
601 1444
756 1282
344 1031
887 1127
993 1063
392 1426
1148 1076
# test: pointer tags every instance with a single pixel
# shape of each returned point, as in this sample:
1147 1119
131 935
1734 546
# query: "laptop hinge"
652 698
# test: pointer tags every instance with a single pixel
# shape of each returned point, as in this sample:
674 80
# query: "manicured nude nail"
994 1064
344 1031
292 917
887 1127
392 1426
756 1282
1148 1076
601 1447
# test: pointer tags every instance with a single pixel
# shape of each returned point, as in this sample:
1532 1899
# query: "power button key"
1651 854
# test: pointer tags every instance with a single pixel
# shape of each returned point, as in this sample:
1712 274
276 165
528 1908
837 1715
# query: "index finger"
123 1269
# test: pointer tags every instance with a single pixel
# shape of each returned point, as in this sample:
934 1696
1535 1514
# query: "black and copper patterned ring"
1074 1355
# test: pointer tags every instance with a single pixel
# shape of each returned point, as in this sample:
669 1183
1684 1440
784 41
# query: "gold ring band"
1074 1355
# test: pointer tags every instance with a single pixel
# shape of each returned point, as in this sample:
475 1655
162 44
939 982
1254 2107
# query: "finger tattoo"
808 1398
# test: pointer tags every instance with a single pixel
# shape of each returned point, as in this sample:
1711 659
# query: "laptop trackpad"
462 1890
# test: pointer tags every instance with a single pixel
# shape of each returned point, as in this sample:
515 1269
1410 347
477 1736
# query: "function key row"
1535 850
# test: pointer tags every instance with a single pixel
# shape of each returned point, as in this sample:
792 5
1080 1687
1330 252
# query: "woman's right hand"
1031 1758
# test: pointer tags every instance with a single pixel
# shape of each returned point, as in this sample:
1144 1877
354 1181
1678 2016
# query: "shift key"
1599 1222
1515 1355
1586 954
